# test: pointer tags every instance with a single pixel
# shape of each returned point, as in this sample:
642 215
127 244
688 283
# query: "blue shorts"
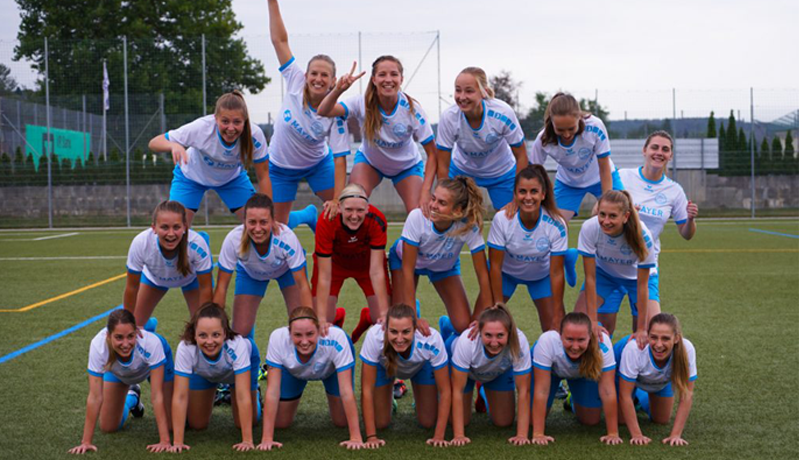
585 392
416 170
189 193
613 290
501 189
248 286
424 375
395 263
618 295
665 392
169 365
570 198
320 177
537 289
197 382
292 388
189 287
503 382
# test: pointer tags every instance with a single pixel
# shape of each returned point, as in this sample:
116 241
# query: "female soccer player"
667 365
617 252
396 349
259 251
579 143
574 354
529 247
432 247
297 354
480 137
391 124
657 198
210 353
120 355
501 361
167 255
351 245
298 149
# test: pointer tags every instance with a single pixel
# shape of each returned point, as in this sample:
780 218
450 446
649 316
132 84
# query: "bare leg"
661 408
410 190
192 300
426 399
286 412
454 296
382 398
111 411
282 211
245 309
365 176
336 409
502 405
588 415
146 301
201 403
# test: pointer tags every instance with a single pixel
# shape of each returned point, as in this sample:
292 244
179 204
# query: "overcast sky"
633 52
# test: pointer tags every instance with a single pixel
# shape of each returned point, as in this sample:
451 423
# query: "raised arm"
328 107
278 34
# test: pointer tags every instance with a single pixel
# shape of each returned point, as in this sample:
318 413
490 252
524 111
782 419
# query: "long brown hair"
302 312
680 360
318 57
396 311
207 310
561 104
591 365
183 246
480 78
235 101
372 117
534 171
498 312
467 200
633 227
259 201
117 317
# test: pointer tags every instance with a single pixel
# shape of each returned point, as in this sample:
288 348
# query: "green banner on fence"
66 144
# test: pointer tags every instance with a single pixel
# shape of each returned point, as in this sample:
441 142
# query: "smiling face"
122 340
575 339
304 335
565 126
611 218
400 333
442 207
258 224
657 152
494 337
387 78
468 94
354 211
170 228
319 78
529 195
209 336
662 340
230 124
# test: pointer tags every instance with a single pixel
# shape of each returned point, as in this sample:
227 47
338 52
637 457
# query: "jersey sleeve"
339 137
275 348
475 240
497 232
692 358
537 155
296 256
188 132
628 364
371 348
135 263
650 260
323 237
513 132
228 255
587 238
522 363
241 348
679 204
293 75
344 359
438 351
446 132
200 255
602 146
260 154
423 133
157 354
559 241
543 353
184 360
609 362
462 356
413 228
353 107
98 355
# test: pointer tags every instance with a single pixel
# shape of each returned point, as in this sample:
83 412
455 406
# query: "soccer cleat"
340 314
568 403
394 406
262 372
570 259
138 409
562 391
364 322
480 403
223 394
400 389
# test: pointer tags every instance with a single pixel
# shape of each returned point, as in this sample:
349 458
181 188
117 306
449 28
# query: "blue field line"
57 336
789 235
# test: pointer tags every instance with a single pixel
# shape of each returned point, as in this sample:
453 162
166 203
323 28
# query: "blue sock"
446 328
570 259
448 344
258 406
307 216
482 394
252 334
151 324
644 401
418 315
130 402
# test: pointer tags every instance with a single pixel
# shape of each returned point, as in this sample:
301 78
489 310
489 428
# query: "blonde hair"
117 317
591 365
353 190
468 199
480 78
372 117
633 227
183 252
303 312
498 312
318 57
397 311
680 360
257 201
235 101
561 104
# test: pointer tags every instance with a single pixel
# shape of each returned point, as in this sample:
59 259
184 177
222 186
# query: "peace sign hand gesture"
346 81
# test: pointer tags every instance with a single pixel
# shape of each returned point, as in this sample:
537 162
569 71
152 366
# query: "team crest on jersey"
319 367
492 138
506 362
277 263
584 153
661 198
542 244
625 250
449 243
400 130
287 115
317 128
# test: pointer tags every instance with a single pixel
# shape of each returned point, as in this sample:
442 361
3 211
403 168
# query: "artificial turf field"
733 287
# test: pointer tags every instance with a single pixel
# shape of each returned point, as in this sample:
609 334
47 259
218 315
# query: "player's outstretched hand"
460 441
160 447
244 446
611 439
641 440
178 448
542 440
179 155
269 445
675 441
437 442
519 440
83 448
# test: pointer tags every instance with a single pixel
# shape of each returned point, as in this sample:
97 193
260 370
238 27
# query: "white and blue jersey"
549 355
528 250
485 151
212 162
148 354
233 359
470 356
612 253
577 162
300 134
424 350
437 252
284 254
393 150
145 257
657 200
333 354
638 366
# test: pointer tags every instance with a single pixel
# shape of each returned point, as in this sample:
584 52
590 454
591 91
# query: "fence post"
674 135
163 115
127 133
203 51
19 127
752 159
360 80
49 140
439 69
84 128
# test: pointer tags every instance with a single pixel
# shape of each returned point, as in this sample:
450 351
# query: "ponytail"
633 227
396 311
499 312
235 101
561 104
591 365
680 359
467 201
260 201
184 268
117 317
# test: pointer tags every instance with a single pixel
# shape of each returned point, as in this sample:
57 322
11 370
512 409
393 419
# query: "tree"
163 49
731 136
8 84
763 161
789 146
594 107
533 122
789 162
506 88
712 126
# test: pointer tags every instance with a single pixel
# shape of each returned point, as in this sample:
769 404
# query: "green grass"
734 290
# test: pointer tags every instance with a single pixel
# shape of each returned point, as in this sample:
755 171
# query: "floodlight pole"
752 159
49 138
